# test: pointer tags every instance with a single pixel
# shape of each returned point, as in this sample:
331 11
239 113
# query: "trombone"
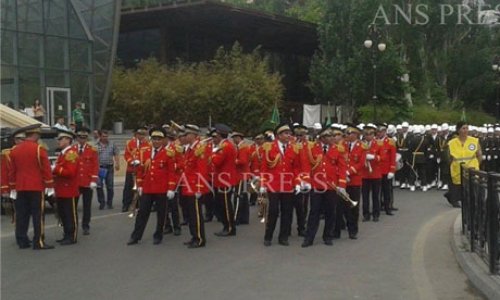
261 199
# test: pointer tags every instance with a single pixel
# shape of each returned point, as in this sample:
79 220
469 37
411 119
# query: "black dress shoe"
225 233
60 240
375 219
456 204
187 243
353 236
267 243
101 206
44 247
389 213
394 208
184 223
66 242
306 244
366 219
168 230
302 233
25 246
284 243
86 231
328 242
336 236
132 241
177 231
156 241
124 209
196 245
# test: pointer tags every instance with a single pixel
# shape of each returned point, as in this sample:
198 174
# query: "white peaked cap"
317 126
445 126
434 126
399 126
405 124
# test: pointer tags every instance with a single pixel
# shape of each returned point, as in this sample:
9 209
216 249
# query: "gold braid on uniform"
314 162
270 163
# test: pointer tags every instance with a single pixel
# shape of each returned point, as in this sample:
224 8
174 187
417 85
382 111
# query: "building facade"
60 52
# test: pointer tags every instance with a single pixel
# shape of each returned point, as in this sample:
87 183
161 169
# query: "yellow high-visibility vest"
463 154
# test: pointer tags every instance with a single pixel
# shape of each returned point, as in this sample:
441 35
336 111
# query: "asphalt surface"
406 256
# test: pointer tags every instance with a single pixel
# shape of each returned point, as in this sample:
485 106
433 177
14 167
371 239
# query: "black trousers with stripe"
86 194
66 207
280 204
28 204
195 218
224 198
241 204
326 202
145 204
373 186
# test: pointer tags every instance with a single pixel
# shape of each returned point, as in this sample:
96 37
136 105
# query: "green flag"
463 118
275 118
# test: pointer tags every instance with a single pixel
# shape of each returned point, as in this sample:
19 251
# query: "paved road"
407 256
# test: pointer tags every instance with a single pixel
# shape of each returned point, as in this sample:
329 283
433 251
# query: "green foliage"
234 88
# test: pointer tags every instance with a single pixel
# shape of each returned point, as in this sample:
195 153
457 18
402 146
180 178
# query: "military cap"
157 132
222 128
300 129
65 134
141 130
282 128
335 130
325 132
235 133
82 131
351 128
170 132
381 126
34 128
259 136
20 135
190 128
370 128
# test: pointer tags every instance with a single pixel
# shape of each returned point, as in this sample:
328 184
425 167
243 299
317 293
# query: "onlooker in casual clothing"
77 115
108 162
60 124
38 110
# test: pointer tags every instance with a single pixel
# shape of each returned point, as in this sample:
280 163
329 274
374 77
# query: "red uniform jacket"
374 172
88 164
4 176
30 168
355 163
178 152
194 179
224 162
327 169
281 172
65 174
132 151
255 159
156 175
387 155
243 161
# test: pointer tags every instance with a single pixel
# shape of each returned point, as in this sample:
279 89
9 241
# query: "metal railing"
480 215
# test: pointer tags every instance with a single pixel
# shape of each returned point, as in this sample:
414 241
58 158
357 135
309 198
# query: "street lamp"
496 68
374 38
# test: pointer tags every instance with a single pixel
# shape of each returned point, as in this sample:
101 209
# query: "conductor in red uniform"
66 184
88 169
155 184
29 176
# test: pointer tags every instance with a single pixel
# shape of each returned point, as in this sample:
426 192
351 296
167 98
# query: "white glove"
370 156
93 185
139 191
341 190
262 190
13 194
136 162
495 157
484 157
49 192
297 189
488 157
390 175
431 156
438 160
305 187
348 179
215 149
197 195
170 195
52 167
347 173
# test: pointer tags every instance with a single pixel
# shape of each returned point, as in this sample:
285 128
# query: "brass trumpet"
261 198
344 195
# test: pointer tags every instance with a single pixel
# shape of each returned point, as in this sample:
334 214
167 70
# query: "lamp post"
374 38
496 68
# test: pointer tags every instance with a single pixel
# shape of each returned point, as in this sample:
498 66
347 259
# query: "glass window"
29 86
54 78
7 42
29 15
29 49
8 14
8 85
56 17
79 52
55 52
75 27
80 91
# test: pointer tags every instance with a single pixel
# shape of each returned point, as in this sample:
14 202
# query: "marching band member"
328 171
387 165
278 178
225 177
371 175
300 200
88 169
66 182
155 184
242 209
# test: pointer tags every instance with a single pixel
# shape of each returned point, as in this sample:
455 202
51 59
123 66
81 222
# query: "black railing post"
471 210
492 201
464 200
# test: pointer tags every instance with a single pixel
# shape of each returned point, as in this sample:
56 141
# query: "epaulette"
267 146
341 148
199 150
170 152
179 148
392 142
71 155
311 144
380 143
366 146
6 151
222 145
297 147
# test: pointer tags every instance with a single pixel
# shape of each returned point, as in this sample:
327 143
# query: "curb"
475 269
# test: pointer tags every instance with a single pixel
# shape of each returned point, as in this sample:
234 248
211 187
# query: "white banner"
312 114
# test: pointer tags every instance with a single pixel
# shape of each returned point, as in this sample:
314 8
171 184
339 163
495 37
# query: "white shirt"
61 126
